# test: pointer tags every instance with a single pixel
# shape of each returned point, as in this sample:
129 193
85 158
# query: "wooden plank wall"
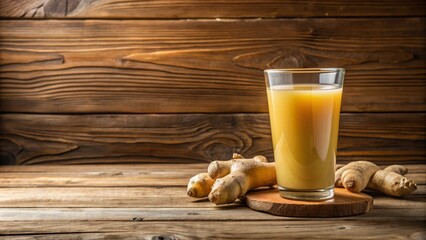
114 81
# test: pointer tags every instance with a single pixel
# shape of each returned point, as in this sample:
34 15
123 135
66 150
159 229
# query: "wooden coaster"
344 203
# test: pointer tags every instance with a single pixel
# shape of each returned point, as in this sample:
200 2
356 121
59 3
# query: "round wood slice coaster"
344 203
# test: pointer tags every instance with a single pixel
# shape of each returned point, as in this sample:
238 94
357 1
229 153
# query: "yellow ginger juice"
305 124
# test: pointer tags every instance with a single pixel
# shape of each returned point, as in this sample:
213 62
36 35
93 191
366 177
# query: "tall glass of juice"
304 109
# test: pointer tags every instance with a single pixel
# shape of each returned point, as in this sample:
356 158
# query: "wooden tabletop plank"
331 229
173 175
38 180
142 197
98 197
145 235
226 213
409 201
211 9
116 179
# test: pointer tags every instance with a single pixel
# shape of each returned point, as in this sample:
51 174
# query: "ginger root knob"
245 174
356 175
391 183
200 185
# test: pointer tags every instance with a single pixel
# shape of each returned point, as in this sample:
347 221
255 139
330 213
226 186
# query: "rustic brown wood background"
114 81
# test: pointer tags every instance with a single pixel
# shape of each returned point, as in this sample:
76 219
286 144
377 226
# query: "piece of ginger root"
232 178
341 168
200 185
356 176
218 169
244 175
391 181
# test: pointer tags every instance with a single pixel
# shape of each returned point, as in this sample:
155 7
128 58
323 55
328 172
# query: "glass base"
307 195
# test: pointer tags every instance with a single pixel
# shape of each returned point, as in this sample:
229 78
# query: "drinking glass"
304 109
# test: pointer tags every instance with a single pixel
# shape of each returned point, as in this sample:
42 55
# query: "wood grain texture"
180 138
39 188
388 229
111 169
118 179
183 138
165 212
209 9
150 197
99 197
234 213
154 66
344 203
142 169
171 175
219 229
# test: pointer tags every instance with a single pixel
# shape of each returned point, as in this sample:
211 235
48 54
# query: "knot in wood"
163 237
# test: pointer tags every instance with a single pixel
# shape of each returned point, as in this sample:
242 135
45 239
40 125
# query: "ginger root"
218 169
391 181
200 185
401 170
356 176
244 175
232 178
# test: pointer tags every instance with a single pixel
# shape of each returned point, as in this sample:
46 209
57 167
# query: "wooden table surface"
148 201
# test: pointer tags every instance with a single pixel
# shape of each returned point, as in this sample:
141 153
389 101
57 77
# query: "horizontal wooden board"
235 213
331 229
131 197
158 66
182 138
169 175
206 9
99 197
118 179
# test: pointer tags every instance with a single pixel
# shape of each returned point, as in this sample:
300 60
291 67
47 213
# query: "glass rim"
304 70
